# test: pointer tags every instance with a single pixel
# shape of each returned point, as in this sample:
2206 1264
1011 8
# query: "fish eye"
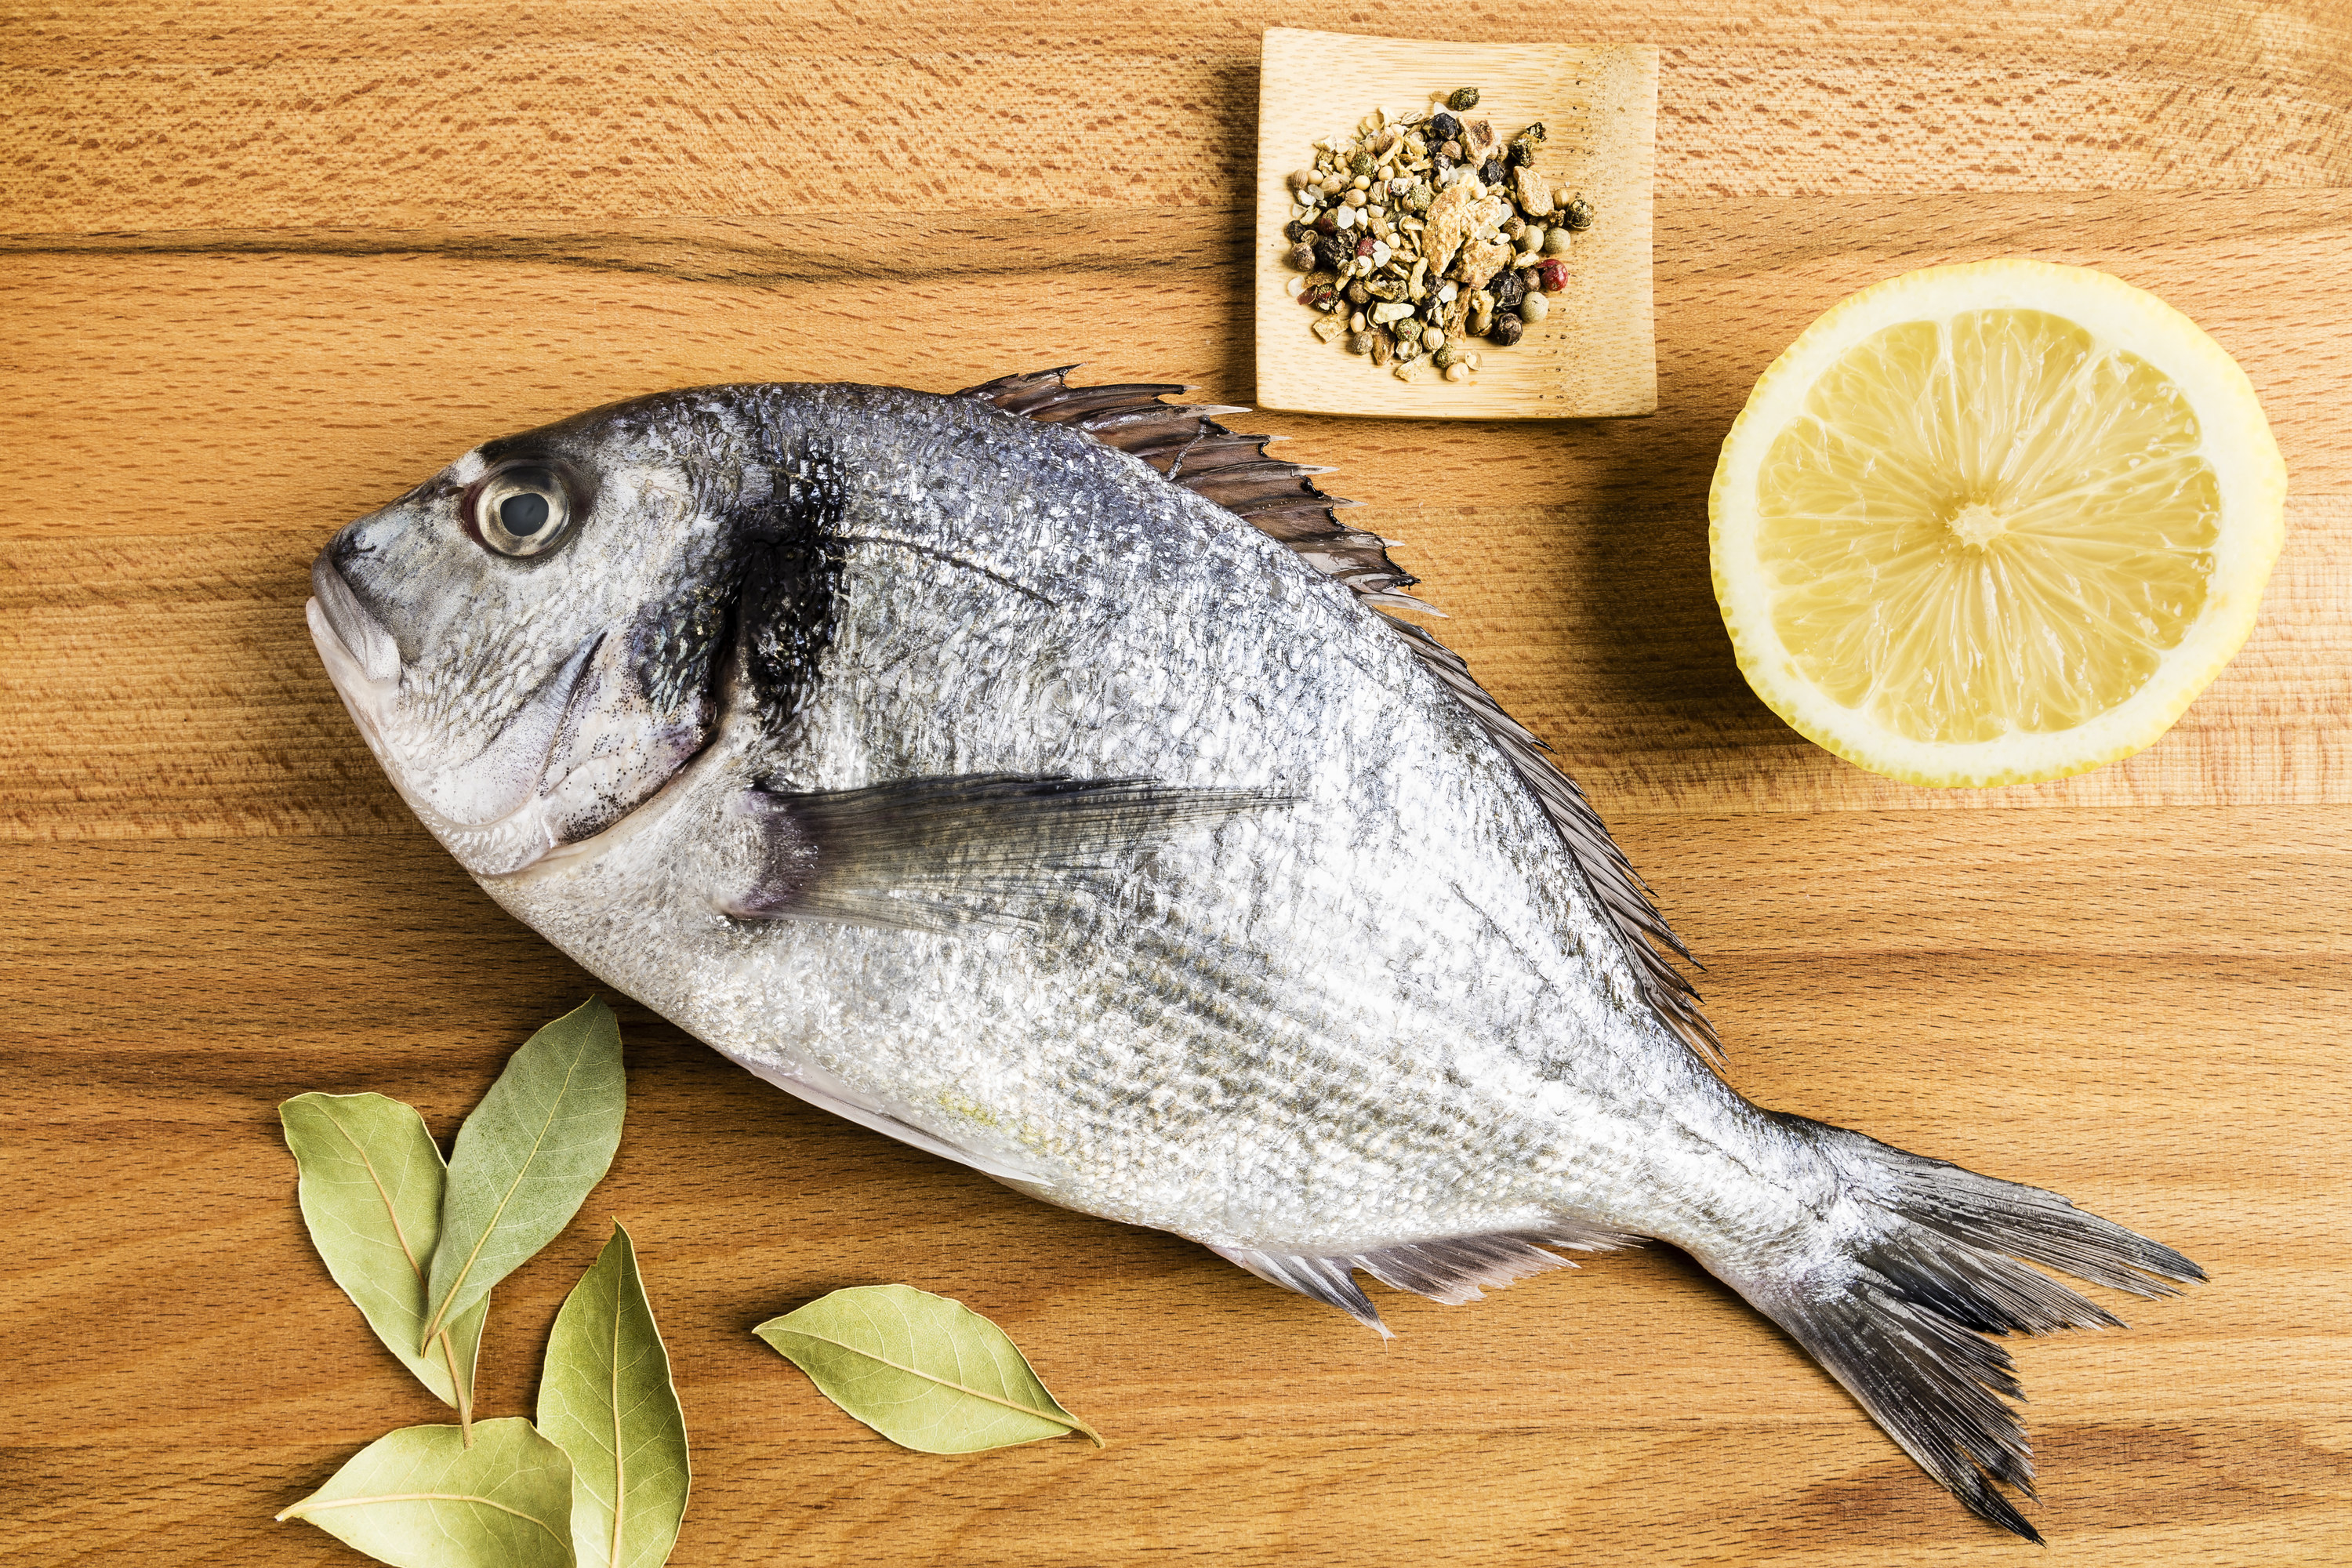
521 509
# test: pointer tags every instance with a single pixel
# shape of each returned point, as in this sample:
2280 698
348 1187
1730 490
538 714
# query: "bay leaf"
605 1397
527 1157
419 1497
925 1372
370 1187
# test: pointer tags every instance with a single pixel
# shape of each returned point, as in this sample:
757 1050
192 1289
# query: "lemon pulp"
1989 543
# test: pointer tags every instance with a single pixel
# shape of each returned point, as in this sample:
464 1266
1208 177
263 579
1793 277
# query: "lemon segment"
1994 523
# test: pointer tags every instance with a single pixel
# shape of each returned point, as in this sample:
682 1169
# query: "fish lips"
362 658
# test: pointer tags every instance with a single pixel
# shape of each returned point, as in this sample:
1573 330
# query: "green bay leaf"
606 1398
419 1497
527 1157
925 1372
371 1185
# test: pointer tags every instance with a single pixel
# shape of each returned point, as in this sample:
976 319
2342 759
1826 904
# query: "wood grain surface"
266 263
1595 355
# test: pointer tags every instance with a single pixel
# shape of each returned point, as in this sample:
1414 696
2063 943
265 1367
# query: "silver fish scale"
1382 1014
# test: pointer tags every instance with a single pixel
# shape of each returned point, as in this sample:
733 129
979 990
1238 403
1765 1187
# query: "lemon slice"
1994 523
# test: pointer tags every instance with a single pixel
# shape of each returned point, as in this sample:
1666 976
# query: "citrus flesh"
1994 523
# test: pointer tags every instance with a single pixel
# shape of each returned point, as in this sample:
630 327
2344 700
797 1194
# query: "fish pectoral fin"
934 854
1453 1269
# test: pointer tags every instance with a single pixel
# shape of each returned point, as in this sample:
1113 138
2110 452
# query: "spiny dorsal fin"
1281 500
1187 445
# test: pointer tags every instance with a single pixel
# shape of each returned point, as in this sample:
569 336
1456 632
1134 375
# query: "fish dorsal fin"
1451 1268
1280 499
1186 443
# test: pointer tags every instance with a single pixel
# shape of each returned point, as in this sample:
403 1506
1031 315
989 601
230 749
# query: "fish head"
532 641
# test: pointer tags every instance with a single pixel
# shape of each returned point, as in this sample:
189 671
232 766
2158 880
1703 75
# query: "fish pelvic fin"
1916 1260
936 854
1453 1269
1281 500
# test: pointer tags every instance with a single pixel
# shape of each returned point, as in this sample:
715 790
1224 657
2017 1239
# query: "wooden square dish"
1594 355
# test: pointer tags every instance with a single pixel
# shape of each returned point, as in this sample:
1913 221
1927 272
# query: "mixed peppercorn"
1425 232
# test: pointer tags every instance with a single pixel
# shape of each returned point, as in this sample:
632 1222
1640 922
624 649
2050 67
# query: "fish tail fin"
1913 1262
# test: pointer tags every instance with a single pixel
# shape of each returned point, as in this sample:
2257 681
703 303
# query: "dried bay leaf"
925 1372
371 1186
419 1497
527 1157
606 1398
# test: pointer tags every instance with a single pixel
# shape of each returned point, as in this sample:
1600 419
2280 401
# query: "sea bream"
1034 774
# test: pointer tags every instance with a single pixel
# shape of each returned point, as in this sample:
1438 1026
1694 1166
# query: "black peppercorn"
1491 171
1507 290
1578 216
1332 252
1442 127
1506 330
1303 258
1439 167
1295 231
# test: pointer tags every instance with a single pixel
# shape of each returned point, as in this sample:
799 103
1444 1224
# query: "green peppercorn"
1463 97
1578 216
1535 132
1363 163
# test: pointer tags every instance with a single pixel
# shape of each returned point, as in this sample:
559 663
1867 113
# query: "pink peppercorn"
1551 277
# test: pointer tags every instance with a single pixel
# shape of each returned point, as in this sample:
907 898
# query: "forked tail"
1914 1260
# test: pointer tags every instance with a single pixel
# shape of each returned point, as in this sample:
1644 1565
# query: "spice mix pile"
1427 231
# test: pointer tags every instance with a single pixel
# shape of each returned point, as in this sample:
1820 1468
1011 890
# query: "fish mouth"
493 833
361 657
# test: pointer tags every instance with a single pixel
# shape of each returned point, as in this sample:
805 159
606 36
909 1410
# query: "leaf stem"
464 1386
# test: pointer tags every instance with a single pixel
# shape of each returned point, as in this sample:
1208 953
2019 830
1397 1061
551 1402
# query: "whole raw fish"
1029 775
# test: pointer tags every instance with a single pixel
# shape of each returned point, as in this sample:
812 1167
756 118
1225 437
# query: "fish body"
968 766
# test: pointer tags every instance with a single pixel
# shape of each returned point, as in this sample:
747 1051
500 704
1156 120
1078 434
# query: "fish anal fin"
1281 501
1453 1270
1324 1280
934 854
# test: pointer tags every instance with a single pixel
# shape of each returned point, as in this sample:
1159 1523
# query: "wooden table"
265 265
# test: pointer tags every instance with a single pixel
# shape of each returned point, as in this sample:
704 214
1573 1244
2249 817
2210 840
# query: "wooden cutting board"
265 265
